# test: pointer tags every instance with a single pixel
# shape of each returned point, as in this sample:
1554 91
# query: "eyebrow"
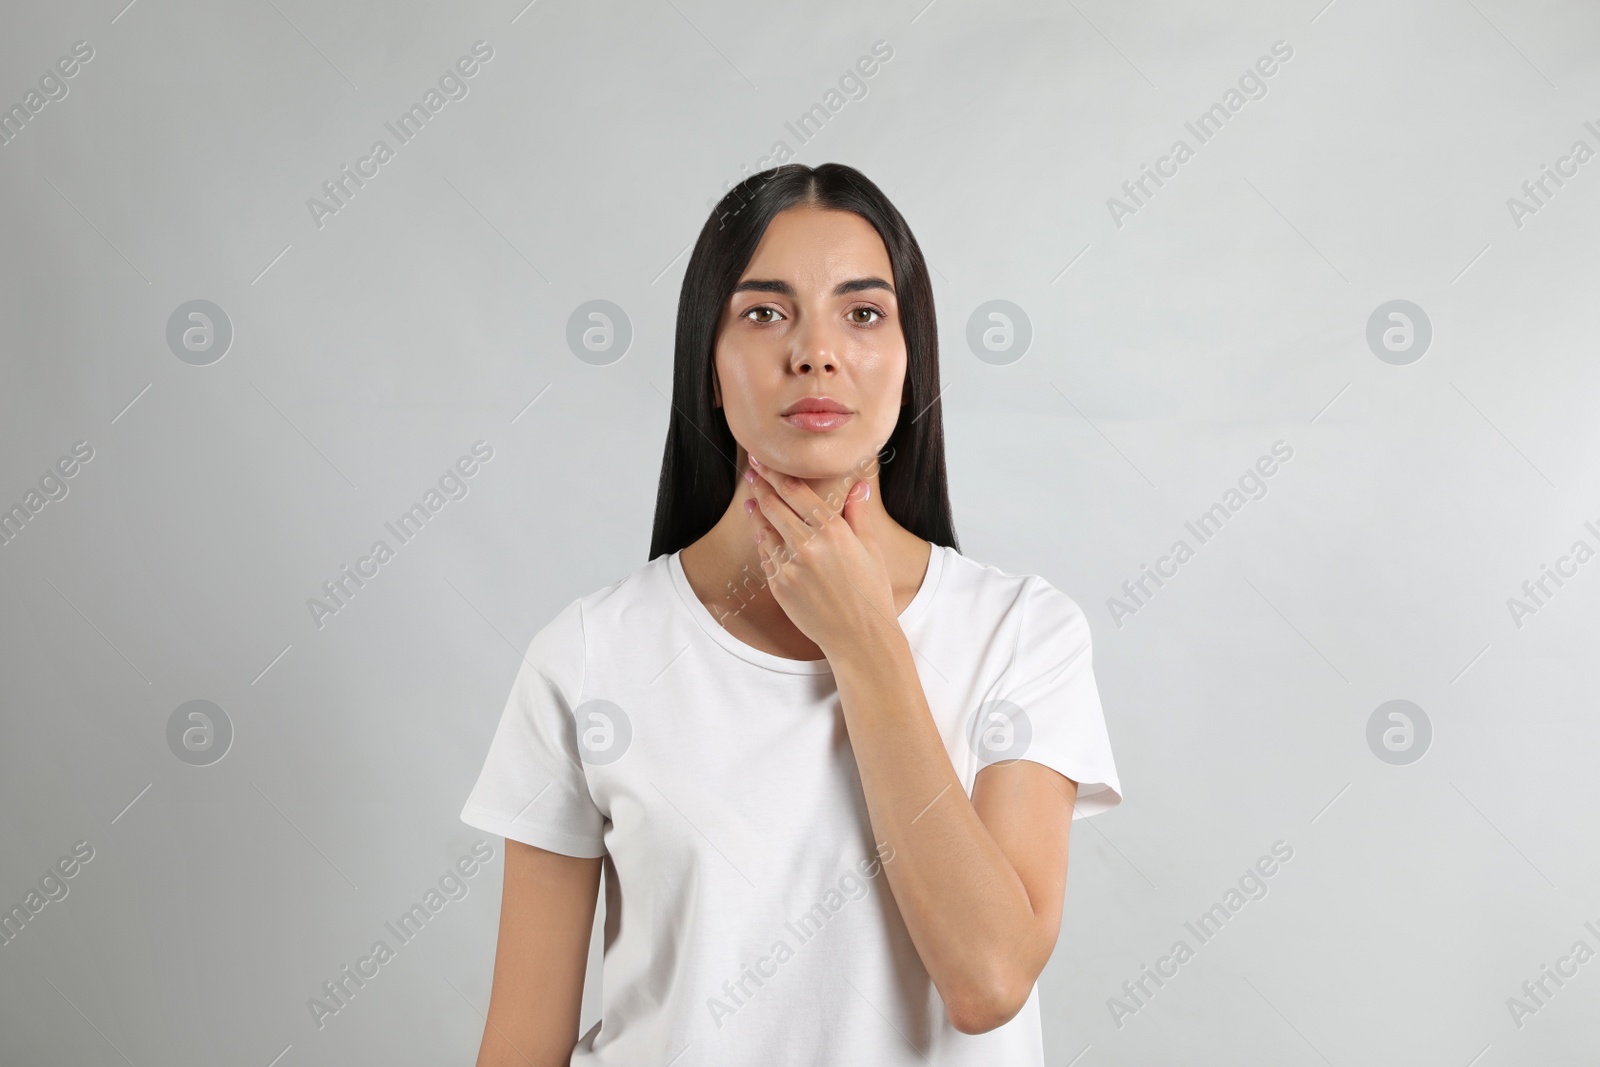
782 288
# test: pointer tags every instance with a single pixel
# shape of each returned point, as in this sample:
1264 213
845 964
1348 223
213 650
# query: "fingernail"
750 476
754 462
749 506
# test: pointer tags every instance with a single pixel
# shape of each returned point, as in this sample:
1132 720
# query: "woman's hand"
820 560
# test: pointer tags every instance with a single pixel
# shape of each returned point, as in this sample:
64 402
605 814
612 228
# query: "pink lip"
817 421
814 403
816 414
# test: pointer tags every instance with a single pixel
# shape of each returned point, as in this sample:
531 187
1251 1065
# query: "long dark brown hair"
698 469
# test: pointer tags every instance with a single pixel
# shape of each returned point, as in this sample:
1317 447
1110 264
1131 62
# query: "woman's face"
813 316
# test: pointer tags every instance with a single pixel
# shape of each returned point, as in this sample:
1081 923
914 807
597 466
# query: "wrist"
870 647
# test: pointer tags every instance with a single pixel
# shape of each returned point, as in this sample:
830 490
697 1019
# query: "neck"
729 548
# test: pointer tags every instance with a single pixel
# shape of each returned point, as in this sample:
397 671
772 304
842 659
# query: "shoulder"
1028 599
566 639
621 606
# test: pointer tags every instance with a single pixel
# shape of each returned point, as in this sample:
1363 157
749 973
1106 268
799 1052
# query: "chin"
822 458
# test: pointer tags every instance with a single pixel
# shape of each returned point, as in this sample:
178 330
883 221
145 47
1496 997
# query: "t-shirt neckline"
751 654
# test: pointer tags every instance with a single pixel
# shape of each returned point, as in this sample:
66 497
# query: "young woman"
827 764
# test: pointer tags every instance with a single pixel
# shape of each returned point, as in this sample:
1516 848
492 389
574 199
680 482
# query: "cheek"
881 410
888 378
742 391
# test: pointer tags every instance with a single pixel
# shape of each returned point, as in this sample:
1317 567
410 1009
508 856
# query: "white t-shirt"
748 919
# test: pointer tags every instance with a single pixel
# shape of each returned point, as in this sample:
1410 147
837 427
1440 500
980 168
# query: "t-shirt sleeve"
532 787
1052 681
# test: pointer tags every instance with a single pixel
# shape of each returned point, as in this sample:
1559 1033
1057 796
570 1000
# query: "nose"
814 351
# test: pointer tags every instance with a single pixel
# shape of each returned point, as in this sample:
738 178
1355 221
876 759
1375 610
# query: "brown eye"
760 308
871 310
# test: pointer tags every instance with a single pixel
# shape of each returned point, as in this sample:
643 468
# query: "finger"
854 514
768 541
791 529
759 526
801 498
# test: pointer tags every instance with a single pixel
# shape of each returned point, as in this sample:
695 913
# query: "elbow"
988 1005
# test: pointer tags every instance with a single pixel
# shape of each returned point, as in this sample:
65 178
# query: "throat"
763 625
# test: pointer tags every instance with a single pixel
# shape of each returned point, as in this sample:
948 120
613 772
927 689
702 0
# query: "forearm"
964 905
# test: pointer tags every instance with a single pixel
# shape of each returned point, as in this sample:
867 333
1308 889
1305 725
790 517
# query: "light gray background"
1167 355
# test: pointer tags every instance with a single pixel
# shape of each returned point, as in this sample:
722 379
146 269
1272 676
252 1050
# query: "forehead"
815 247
